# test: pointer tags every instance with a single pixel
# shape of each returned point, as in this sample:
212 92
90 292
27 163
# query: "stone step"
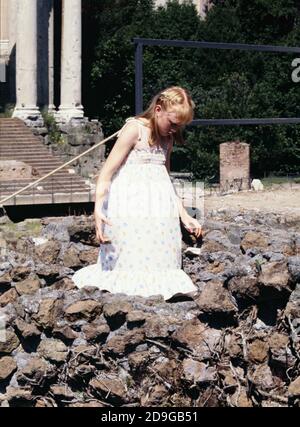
31 159
11 131
21 143
25 144
16 128
15 131
61 179
67 191
18 142
33 154
57 185
12 189
25 149
40 166
27 158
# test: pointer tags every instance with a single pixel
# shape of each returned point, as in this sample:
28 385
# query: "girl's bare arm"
119 152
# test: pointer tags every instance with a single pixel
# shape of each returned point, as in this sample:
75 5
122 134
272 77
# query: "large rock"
216 299
293 307
49 311
120 342
19 273
71 258
62 392
244 287
96 331
28 287
111 310
198 372
11 342
27 330
8 297
5 278
160 326
53 350
241 399
36 372
18 396
48 252
275 275
279 349
294 268
258 351
138 360
197 337
88 256
262 377
7 367
88 309
135 318
65 333
253 239
109 385
294 388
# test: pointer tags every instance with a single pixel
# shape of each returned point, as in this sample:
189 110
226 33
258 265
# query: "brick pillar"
234 166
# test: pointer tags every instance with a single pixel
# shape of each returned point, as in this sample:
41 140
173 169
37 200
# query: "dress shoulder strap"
129 120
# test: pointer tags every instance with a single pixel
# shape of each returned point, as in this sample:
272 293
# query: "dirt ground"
281 198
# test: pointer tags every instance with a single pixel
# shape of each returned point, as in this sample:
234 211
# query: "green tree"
223 83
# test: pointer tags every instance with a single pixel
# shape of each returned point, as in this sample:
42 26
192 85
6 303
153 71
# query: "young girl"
137 210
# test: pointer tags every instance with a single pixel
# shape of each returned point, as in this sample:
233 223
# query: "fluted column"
51 106
70 107
26 63
12 15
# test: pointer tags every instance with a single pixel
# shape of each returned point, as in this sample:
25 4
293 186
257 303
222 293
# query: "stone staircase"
17 142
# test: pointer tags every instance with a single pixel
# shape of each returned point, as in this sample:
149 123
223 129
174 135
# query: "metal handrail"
60 167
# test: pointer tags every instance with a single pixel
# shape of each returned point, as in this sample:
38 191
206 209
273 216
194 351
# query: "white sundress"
144 256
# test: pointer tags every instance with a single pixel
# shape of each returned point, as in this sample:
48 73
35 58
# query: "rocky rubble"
235 344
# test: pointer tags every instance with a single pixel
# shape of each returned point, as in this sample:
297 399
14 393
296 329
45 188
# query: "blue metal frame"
140 42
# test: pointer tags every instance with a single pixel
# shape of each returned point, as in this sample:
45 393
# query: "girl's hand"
101 219
192 225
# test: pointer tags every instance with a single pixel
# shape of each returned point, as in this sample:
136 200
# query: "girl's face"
167 121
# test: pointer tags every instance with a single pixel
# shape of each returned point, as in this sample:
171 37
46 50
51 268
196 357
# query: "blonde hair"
175 99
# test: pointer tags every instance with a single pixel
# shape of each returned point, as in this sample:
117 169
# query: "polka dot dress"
144 256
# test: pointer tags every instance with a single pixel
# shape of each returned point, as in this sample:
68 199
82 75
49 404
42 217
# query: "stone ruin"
234 166
14 169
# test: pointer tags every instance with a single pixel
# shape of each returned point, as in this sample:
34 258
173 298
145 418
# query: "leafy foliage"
223 83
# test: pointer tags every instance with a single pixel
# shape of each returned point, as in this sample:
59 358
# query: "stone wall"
67 141
235 344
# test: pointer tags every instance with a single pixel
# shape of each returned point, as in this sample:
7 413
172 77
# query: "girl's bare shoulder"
143 121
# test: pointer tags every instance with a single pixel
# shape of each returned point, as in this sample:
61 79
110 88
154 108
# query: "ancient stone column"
12 19
26 64
4 39
71 107
51 106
